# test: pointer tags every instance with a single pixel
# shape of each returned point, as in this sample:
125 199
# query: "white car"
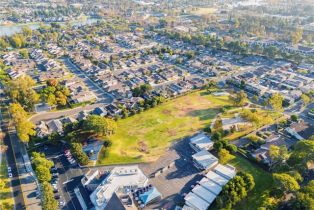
10 175
61 203
9 169
72 161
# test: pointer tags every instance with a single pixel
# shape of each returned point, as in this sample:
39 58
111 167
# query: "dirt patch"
123 153
166 112
142 147
172 132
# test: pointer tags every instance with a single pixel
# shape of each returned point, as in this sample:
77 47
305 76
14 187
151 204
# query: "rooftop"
120 178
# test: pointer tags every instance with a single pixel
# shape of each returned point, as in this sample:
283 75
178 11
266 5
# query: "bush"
107 143
208 130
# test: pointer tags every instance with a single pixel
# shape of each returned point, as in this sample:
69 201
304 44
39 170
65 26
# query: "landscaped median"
144 137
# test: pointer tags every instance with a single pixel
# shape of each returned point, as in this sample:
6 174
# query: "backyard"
144 137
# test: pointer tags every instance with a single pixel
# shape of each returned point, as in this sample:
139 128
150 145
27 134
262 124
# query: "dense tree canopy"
285 182
239 99
99 125
21 91
48 200
276 101
302 155
54 93
24 127
235 190
77 151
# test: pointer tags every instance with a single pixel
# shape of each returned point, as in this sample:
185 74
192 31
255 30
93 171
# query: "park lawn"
144 137
6 200
263 183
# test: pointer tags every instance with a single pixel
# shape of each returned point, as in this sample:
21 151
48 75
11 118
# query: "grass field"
204 11
263 183
6 200
144 137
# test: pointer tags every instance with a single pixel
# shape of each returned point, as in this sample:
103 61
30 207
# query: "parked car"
57 196
9 169
61 203
10 175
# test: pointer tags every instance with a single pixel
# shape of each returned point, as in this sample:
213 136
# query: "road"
23 182
102 95
46 116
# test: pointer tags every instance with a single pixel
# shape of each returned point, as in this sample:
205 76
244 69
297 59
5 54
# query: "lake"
8 30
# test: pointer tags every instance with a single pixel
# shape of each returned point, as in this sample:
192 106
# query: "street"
23 183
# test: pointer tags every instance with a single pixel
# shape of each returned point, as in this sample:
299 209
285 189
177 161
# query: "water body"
8 30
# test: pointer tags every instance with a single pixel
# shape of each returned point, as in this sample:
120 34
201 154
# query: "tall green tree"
286 183
100 125
239 99
276 101
21 91
24 128
48 200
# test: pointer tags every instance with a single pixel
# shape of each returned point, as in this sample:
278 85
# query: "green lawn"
6 200
144 137
263 183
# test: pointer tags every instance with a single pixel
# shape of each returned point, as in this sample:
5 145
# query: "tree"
302 155
225 156
48 200
235 190
306 99
43 174
278 155
285 182
39 159
239 99
294 118
276 101
141 90
100 125
248 179
255 98
218 126
301 201
24 127
21 90
3 43
27 31
18 40
296 36
216 136
77 151
24 53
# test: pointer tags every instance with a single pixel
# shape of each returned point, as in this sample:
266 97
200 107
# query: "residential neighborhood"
177 105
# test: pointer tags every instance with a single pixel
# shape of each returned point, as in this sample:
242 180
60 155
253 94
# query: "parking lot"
174 182
66 177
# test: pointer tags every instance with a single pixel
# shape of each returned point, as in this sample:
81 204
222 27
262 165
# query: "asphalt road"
45 116
102 95
15 181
